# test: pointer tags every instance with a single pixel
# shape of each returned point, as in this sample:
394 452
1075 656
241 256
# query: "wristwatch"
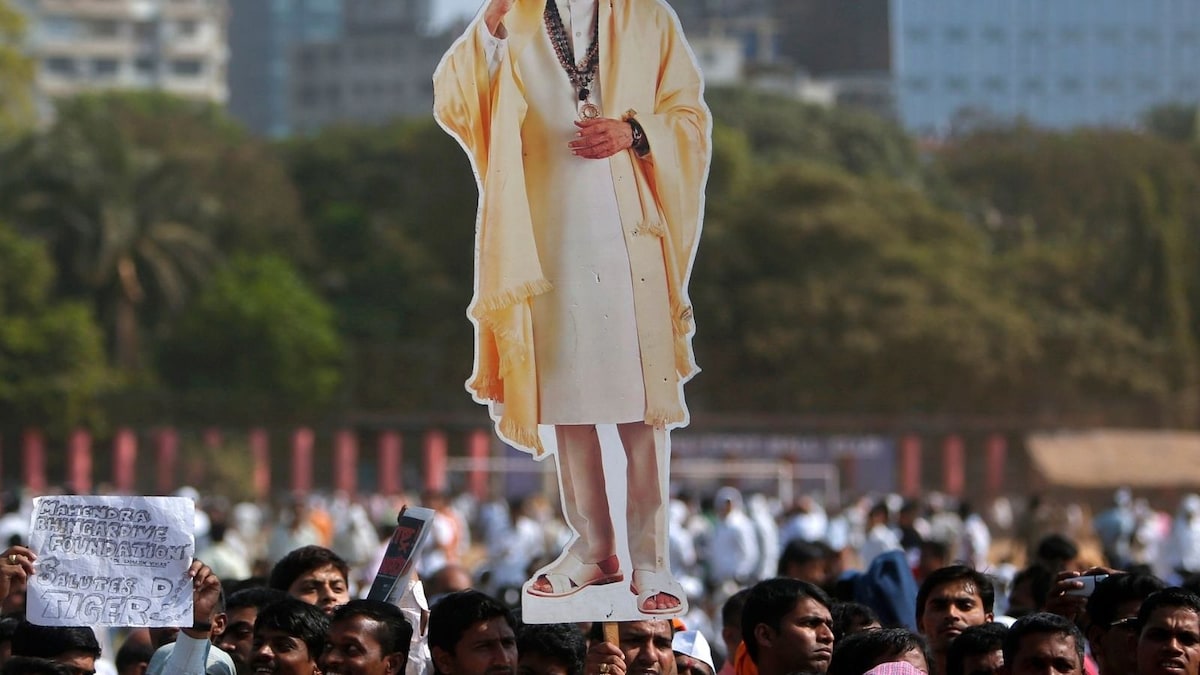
640 145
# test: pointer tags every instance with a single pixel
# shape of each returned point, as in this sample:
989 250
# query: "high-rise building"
263 35
1058 64
380 68
176 46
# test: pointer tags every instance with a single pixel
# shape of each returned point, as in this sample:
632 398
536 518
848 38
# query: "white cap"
693 644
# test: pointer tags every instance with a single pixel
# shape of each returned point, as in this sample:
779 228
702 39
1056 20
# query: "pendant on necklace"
589 111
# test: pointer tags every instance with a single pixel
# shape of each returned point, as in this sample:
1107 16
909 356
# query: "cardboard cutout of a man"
590 140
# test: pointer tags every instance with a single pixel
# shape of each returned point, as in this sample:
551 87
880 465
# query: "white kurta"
584 330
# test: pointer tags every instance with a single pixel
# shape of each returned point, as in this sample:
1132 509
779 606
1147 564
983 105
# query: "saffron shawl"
647 71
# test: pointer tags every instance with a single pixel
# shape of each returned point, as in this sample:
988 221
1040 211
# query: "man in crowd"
551 649
978 651
289 637
75 647
470 633
1043 644
731 627
949 601
1112 612
1168 641
644 648
315 575
241 610
367 637
787 627
692 654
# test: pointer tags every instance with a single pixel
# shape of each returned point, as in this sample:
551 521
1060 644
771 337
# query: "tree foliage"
16 74
259 336
138 196
51 353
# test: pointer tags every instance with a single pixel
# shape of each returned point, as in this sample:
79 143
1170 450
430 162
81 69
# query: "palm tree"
120 204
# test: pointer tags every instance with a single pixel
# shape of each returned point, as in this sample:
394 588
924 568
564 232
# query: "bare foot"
660 602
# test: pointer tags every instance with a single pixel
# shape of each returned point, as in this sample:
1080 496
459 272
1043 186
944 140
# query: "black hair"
133 652
394 632
255 596
48 642
297 619
974 641
859 652
451 616
562 642
731 611
33 665
1116 590
1056 548
302 560
8 627
800 552
1173 597
1036 624
944 575
769 601
850 617
1040 579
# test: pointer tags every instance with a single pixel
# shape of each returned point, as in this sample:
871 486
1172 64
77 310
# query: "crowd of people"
886 586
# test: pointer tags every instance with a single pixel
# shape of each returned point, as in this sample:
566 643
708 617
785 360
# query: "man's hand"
601 138
16 566
1060 602
494 15
604 658
206 593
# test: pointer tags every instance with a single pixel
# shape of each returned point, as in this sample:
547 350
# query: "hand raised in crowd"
604 658
206 593
16 566
1062 602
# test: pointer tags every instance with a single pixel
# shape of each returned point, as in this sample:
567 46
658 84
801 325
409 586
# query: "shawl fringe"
654 228
507 298
522 437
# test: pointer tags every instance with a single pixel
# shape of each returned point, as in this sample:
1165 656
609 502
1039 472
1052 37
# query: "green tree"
138 194
259 340
393 209
51 353
16 74
817 291
1175 121
1100 232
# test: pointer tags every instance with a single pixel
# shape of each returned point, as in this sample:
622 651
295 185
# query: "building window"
918 35
1033 85
62 66
956 85
956 35
994 35
103 29
107 68
187 68
144 65
995 85
918 84
1070 85
187 28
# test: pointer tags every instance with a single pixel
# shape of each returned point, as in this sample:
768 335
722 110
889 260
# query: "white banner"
111 561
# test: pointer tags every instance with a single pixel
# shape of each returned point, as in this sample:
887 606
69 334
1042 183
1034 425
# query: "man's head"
449 579
241 610
862 651
1029 590
731 621
315 575
693 656
32 665
978 651
367 637
74 647
1168 639
134 656
470 633
787 627
1056 552
289 636
8 628
1112 610
951 600
216 620
1043 644
551 649
645 644
852 617
878 515
805 560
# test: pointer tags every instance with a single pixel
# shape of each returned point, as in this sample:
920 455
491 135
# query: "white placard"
111 561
